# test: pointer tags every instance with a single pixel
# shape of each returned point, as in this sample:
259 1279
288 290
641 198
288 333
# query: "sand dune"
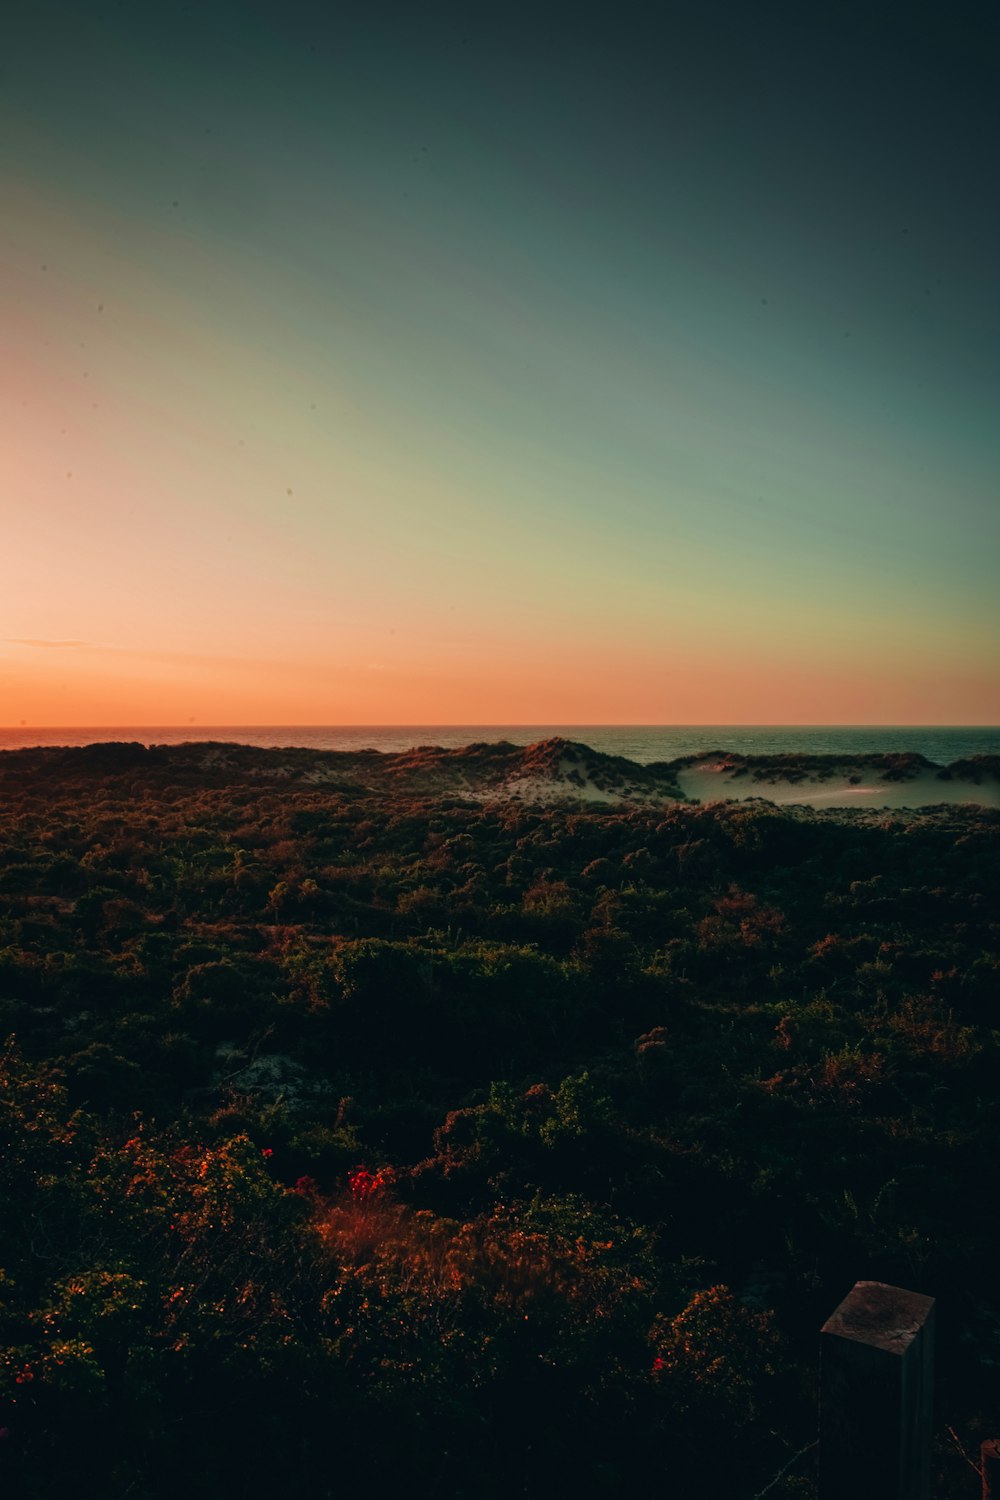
549 772
916 783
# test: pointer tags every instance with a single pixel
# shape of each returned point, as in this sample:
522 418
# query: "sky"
524 364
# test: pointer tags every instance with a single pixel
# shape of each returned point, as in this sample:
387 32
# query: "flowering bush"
714 1358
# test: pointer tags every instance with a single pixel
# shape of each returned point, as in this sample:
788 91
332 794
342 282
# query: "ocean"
638 742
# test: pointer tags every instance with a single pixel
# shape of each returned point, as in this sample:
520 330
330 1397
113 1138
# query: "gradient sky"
429 364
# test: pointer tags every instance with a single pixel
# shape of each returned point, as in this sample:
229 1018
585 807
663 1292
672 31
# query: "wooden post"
989 1455
876 1387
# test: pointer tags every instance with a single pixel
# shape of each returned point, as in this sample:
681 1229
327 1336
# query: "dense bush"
475 1149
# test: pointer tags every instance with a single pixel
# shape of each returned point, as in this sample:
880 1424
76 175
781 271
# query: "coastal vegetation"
361 1128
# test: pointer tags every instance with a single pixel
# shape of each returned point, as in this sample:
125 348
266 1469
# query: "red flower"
267 1151
363 1183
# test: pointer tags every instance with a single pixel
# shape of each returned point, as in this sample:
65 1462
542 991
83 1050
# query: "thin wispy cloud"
14 640
137 653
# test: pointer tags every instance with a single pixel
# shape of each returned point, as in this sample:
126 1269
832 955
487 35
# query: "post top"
885 1317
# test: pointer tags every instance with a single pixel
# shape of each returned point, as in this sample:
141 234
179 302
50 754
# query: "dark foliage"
468 1148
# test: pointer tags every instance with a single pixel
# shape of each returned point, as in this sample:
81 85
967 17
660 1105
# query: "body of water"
642 743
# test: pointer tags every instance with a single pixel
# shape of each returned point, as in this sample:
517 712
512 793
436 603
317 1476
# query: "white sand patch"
272 1074
544 790
713 781
571 782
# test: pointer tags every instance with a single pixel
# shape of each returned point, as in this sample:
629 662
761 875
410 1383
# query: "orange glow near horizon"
63 684
236 491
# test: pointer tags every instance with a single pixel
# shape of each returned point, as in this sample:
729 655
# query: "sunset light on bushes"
499 750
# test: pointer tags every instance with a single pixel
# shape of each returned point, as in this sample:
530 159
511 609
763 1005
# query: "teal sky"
433 365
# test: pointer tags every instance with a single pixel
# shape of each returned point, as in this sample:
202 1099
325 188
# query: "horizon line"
512 724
